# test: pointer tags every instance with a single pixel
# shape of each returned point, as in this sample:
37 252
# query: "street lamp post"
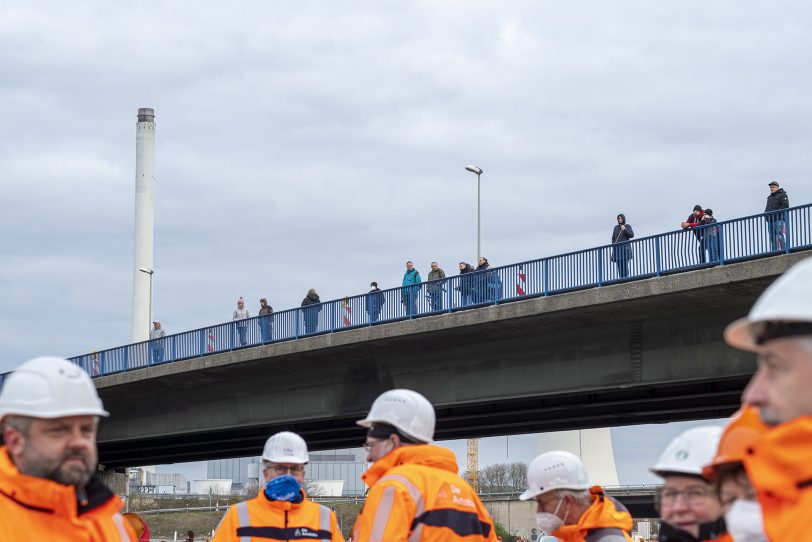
478 171
149 272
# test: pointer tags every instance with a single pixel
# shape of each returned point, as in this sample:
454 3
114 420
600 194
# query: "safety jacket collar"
427 455
601 514
779 464
46 495
283 506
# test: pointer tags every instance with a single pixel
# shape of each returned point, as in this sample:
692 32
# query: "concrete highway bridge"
646 351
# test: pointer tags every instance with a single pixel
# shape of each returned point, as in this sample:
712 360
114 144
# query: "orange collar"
427 455
34 492
601 514
781 459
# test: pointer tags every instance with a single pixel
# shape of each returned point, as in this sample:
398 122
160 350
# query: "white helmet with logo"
285 447
786 301
406 410
555 470
50 387
689 452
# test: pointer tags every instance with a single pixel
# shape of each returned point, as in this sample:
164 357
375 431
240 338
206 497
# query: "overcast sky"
320 145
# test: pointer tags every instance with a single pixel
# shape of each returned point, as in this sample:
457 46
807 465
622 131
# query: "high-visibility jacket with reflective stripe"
604 519
260 519
416 495
34 508
779 466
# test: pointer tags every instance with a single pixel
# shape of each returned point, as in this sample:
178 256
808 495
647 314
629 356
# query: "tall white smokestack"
144 218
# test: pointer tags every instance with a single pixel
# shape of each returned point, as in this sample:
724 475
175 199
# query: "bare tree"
503 478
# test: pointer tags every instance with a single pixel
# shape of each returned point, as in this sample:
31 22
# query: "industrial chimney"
144 218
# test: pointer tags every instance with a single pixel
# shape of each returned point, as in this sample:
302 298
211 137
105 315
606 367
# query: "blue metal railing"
735 240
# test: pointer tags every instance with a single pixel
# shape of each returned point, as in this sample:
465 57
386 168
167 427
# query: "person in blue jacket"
410 289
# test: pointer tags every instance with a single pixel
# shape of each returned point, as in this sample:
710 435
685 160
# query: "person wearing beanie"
776 220
240 316
156 342
693 221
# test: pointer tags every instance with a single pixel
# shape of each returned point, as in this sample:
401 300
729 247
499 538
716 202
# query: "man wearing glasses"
282 510
568 508
688 505
415 493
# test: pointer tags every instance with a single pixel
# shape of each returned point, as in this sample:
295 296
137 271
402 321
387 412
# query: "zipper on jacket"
286 526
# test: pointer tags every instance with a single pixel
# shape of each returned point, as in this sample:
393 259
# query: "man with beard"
49 413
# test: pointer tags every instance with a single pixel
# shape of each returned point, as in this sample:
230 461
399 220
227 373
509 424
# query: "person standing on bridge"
282 510
375 300
466 285
568 507
311 307
435 289
415 493
779 330
621 246
410 289
240 316
156 342
49 413
265 320
688 505
693 221
776 220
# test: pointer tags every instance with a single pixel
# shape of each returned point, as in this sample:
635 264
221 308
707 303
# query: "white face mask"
547 522
744 522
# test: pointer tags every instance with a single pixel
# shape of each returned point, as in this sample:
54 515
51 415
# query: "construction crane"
472 471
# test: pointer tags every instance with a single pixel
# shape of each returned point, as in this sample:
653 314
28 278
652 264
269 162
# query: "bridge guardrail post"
721 241
127 358
296 314
202 343
658 268
600 266
787 232
546 272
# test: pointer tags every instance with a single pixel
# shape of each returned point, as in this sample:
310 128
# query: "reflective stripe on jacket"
416 496
259 519
780 469
605 519
34 508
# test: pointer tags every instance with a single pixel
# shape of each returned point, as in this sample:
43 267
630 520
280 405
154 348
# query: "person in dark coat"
711 237
265 320
466 286
776 222
481 281
375 301
621 247
311 307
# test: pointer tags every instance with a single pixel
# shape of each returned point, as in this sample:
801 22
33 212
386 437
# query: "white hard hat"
50 387
786 301
405 410
689 452
285 447
555 470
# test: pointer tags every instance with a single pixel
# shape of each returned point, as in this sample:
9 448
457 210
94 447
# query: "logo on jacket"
304 532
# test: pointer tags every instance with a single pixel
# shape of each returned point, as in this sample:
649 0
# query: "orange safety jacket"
603 513
416 495
260 519
779 466
33 508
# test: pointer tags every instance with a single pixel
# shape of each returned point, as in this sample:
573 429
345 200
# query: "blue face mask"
284 488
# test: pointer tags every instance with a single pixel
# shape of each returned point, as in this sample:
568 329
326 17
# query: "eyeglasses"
692 495
279 470
369 445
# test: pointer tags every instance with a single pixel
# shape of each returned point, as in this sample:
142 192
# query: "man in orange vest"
49 413
779 330
415 493
282 510
568 508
